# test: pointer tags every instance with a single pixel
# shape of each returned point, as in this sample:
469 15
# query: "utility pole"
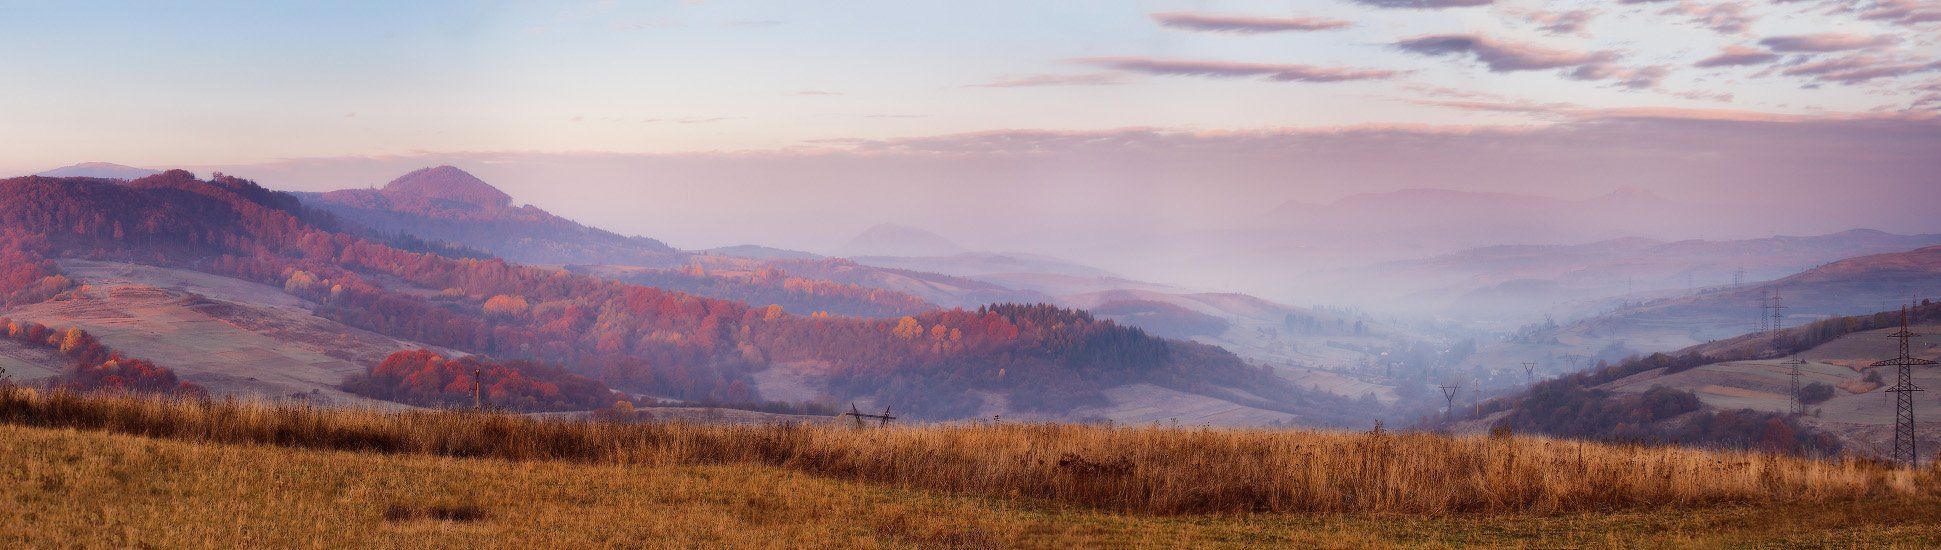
1904 448
478 394
1449 392
1478 399
1799 407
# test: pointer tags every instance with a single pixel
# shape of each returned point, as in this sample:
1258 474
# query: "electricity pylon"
1904 388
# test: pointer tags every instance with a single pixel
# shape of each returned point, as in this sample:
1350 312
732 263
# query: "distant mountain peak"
104 170
448 184
890 239
1632 193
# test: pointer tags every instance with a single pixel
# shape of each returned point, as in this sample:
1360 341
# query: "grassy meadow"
127 471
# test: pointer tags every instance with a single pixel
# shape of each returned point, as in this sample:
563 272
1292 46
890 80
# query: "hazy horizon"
1150 138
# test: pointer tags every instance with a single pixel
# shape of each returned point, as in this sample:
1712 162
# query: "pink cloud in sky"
1234 69
1826 42
1243 24
1858 68
1736 55
1423 4
1083 79
1500 55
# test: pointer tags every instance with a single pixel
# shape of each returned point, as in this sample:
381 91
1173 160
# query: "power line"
1904 388
1449 392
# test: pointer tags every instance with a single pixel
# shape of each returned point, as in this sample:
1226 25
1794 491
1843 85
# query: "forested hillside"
632 337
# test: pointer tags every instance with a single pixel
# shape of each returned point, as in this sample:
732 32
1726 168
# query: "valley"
1013 274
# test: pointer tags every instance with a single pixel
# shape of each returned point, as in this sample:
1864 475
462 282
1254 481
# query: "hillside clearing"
231 336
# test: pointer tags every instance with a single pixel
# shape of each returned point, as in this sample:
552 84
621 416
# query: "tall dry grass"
1137 469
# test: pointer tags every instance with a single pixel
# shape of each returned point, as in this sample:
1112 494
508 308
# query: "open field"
1147 470
253 476
93 489
231 336
1860 413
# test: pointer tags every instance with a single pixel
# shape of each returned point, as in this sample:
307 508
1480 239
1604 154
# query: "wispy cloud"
1903 12
1036 80
1504 56
1726 17
1233 69
1826 42
1498 55
680 120
1523 106
1422 4
1559 22
1735 55
1859 68
1636 78
1246 24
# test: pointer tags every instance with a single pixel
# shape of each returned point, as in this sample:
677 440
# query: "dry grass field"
115 471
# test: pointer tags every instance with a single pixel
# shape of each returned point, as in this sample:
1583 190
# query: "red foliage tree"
95 366
425 378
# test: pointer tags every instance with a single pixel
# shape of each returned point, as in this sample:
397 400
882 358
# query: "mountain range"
74 236
447 204
103 170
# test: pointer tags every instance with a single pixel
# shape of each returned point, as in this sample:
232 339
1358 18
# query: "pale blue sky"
199 83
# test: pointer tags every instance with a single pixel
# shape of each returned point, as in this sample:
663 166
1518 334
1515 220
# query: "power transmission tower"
1478 401
1530 372
1798 407
1449 392
1779 317
1765 309
1738 278
1904 387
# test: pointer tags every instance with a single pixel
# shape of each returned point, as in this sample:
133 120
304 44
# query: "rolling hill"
425 209
1014 359
897 240
103 170
1516 283
230 336
447 204
1847 287
1663 396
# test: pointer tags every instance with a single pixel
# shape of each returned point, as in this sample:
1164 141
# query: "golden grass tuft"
1151 470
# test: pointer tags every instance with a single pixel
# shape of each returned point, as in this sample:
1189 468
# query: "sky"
996 123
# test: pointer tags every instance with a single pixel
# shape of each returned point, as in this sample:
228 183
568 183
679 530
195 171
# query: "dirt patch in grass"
463 513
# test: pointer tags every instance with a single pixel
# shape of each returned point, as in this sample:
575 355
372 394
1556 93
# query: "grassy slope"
231 336
94 489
